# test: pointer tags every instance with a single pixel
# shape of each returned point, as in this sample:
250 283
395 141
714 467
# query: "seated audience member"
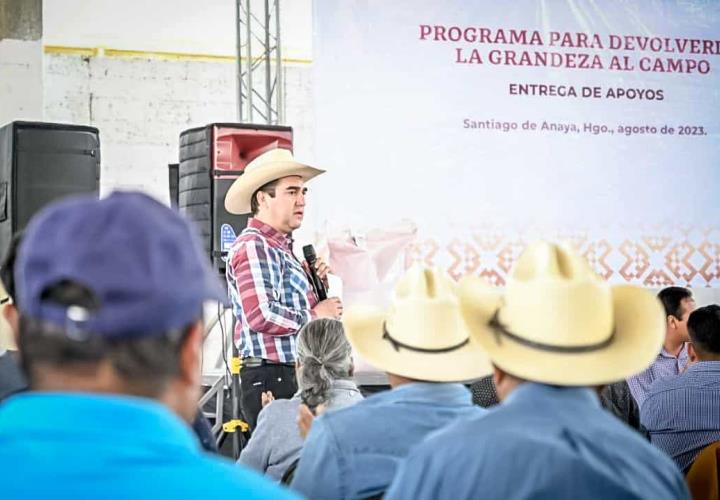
556 332
201 426
422 343
618 400
110 296
682 414
324 373
678 303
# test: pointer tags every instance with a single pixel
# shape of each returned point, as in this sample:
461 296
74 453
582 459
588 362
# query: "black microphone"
317 283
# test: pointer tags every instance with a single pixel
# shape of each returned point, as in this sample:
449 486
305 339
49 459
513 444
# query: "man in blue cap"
110 294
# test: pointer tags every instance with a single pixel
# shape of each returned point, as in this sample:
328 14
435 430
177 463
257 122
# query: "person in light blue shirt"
682 413
422 343
81 445
556 333
110 295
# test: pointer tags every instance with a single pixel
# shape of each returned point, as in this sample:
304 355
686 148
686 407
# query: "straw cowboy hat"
270 166
422 335
558 323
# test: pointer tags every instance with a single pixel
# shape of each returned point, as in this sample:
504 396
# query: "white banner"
489 124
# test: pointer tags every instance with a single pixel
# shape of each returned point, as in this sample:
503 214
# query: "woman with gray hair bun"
324 372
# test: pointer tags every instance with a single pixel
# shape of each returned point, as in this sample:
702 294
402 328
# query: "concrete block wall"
141 104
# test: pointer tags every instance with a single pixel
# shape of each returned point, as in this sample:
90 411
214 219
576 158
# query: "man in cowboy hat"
556 333
422 342
271 294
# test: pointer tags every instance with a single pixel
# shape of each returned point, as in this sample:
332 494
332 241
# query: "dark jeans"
278 379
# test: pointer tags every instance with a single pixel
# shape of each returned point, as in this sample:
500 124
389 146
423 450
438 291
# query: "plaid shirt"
665 365
271 295
682 414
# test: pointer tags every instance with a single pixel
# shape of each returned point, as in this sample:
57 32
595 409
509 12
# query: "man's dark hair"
704 329
7 268
671 298
268 188
145 363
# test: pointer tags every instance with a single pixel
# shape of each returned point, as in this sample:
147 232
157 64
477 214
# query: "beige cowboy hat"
558 323
270 166
422 336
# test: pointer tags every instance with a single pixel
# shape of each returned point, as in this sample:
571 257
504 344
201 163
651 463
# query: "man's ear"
497 376
692 353
262 198
191 355
10 313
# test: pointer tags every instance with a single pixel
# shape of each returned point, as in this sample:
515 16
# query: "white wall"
21 91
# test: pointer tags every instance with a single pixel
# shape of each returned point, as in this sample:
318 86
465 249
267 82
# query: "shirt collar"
131 419
344 383
549 393
448 394
705 367
681 355
273 235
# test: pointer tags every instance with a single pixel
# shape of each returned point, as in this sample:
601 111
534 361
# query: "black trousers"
254 380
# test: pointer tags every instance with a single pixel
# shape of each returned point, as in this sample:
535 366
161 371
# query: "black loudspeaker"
39 163
211 158
173 177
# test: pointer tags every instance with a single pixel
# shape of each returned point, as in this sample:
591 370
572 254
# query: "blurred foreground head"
110 294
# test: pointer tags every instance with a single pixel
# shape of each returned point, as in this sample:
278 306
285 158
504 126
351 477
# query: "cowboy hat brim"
237 199
364 330
637 339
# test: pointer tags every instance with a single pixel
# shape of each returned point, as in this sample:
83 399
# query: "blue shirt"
543 442
682 414
354 452
72 445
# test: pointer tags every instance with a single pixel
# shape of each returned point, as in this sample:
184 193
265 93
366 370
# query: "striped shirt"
271 295
665 365
682 414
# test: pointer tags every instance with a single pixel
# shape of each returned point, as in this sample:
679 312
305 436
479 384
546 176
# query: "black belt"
255 362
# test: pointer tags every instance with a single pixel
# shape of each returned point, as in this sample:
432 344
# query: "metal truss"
259 62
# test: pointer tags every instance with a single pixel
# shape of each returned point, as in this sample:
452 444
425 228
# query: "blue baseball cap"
141 259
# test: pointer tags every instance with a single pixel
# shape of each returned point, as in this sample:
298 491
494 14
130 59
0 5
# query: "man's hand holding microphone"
318 271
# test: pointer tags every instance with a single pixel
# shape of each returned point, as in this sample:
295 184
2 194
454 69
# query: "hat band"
397 345
500 330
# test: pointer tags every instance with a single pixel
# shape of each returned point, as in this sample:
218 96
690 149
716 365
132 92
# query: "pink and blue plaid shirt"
271 295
